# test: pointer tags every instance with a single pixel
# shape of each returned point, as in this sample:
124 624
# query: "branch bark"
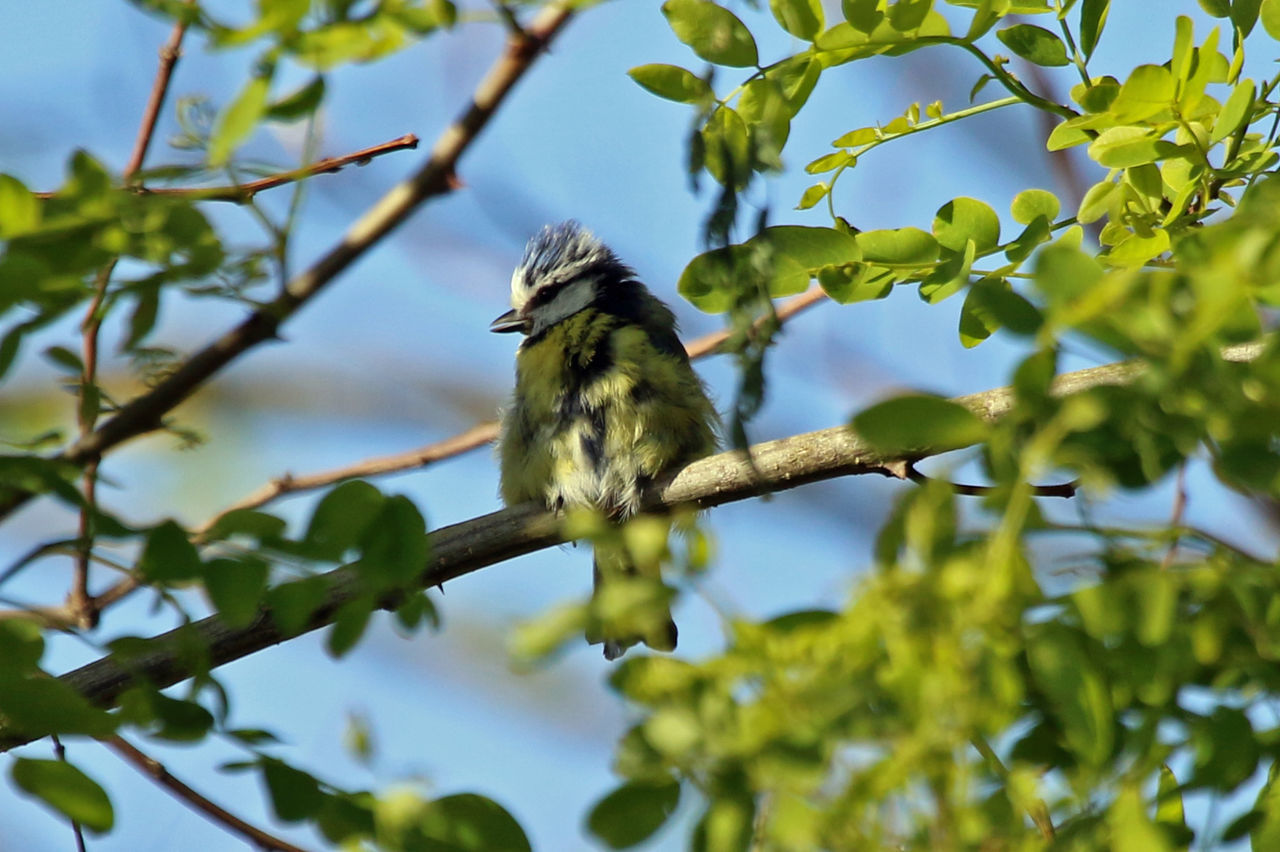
436 177
462 548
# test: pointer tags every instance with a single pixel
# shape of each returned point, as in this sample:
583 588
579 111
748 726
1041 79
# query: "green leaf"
727 148
67 790
299 104
292 604
1131 830
62 357
909 424
673 83
1126 146
1169 810
1239 105
949 276
39 705
169 556
863 15
295 795
394 547
1035 44
802 18
1030 203
1093 17
237 121
964 219
631 814
21 645
798 252
143 316
811 196
472 823
341 518
1150 89
1270 14
1074 687
712 31
253 523
904 246
1244 14
1216 8
907 15
236 587
349 624
19 208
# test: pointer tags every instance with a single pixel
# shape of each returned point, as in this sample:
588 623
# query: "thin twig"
462 548
1065 489
79 601
169 55
156 771
437 176
1036 809
242 193
60 752
1175 519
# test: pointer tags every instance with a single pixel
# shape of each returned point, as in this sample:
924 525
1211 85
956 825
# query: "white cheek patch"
571 299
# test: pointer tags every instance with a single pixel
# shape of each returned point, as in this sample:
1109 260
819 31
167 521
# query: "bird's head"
564 269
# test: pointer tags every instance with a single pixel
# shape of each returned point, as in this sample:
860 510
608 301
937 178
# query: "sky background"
396 354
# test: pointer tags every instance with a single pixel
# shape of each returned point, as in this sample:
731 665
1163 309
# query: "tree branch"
156 771
242 193
436 177
462 548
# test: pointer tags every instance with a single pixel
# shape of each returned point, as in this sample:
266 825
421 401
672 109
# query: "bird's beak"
508 322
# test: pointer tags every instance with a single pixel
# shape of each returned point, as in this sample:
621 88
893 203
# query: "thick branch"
465 547
436 177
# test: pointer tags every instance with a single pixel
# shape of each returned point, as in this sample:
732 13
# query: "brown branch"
462 548
80 603
146 413
169 55
244 192
156 771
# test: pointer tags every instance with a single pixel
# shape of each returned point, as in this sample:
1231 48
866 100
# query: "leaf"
236 587
907 15
299 104
394 546
673 83
295 795
1131 830
801 18
61 356
1035 44
19 208
143 317
237 121
1126 146
919 423
631 814
1149 90
349 624
341 518
38 705
67 790
474 824
811 196
1031 203
1238 107
712 31
1270 16
899 246
1216 8
169 556
727 148
1074 688
1093 17
964 219
1244 14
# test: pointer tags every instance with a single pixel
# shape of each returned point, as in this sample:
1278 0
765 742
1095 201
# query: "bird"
605 402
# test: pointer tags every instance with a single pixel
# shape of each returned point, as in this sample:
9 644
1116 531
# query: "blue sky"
397 354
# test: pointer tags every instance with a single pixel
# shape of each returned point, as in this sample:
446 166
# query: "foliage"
958 699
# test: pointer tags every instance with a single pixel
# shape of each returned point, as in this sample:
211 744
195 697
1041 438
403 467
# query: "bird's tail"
630 603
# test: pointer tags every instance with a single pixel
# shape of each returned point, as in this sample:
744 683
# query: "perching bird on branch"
605 402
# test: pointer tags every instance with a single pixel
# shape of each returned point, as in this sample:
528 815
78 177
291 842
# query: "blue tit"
605 401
